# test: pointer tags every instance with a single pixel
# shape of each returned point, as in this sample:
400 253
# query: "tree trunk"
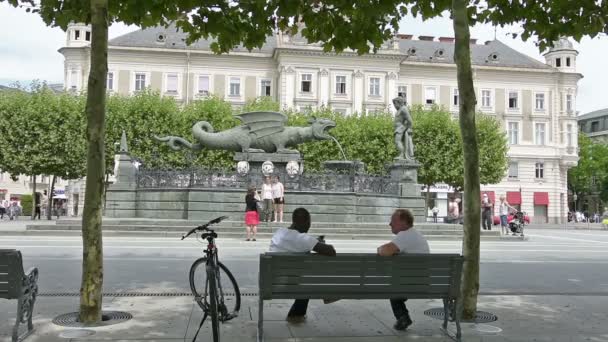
92 257
428 198
470 242
49 206
34 197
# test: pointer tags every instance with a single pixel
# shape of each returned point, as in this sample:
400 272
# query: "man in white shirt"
295 239
407 240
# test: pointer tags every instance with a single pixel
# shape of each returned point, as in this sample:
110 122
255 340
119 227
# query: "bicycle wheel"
213 306
229 294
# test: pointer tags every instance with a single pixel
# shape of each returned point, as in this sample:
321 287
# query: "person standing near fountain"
278 195
252 218
403 129
267 198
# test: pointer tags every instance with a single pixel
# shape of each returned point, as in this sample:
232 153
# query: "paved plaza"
553 287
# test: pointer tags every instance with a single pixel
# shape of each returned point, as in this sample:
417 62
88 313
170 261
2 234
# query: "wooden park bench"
362 276
19 285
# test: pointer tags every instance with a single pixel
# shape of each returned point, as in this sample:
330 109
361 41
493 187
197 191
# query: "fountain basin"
344 166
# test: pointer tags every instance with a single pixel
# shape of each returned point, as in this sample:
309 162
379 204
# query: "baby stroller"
517 223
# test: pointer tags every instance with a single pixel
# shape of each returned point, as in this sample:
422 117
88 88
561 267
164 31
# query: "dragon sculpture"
259 132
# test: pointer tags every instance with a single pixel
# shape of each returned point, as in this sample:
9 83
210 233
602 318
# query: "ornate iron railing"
227 179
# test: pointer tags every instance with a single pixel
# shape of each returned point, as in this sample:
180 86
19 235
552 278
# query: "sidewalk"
520 318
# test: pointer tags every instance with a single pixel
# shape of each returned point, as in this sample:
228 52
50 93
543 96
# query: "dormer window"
87 36
76 34
493 57
558 62
160 38
567 61
440 53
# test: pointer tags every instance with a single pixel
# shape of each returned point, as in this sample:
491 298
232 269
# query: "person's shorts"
503 220
279 200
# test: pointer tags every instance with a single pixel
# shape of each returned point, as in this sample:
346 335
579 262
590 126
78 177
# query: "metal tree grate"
480 316
107 318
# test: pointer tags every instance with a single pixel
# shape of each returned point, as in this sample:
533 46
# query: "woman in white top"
267 198
278 196
504 212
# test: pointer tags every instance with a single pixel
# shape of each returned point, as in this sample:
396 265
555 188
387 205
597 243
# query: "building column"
358 91
323 98
391 81
287 87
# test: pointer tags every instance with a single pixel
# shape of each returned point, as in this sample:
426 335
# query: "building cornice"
186 51
315 52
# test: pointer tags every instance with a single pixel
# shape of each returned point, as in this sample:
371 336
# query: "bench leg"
18 320
261 320
30 325
457 315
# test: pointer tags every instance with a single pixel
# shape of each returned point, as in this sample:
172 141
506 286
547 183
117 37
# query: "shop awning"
513 197
541 198
491 196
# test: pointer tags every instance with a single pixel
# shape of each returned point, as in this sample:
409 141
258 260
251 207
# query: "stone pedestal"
121 197
405 172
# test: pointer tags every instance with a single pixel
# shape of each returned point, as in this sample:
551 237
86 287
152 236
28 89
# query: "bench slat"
336 290
4 277
376 295
359 272
294 280
417 264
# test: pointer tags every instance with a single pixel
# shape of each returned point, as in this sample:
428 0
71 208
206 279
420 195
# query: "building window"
540 102
569 103
569 135
402 91
513 100
513 170
87 36
455 98
540 172
430 95
266 89
513 133
306 83
341 85
140 82
76 34
110 81
203 85
540 133
595 126
486 98
374 86
235 86
558 62
568 61
172 83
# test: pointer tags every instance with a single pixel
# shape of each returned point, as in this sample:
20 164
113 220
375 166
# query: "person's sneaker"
403 323
253 239
296 319
247 239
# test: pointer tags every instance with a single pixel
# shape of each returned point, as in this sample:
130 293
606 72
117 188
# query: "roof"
173 38
493 53
593 115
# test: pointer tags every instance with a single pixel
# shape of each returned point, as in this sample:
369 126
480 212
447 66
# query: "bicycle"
208 291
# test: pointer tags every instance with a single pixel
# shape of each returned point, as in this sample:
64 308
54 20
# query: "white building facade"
534 101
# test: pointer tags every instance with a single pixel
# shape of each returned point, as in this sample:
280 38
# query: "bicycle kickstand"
199 326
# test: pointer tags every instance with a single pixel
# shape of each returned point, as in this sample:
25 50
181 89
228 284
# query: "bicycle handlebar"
205 226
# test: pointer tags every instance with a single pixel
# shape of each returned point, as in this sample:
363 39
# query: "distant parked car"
510 218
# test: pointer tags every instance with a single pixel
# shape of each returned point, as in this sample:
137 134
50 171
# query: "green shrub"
26 205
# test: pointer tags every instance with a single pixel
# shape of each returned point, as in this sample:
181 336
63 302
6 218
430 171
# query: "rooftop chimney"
473 41
446 39
404 36
427 38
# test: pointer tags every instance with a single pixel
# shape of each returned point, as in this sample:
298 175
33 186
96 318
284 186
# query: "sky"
28 50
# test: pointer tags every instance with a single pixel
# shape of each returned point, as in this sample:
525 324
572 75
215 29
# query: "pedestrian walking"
503 211
14 211
252 217
267 199
435 212
486 213
38 199
605 218
278 196
3 207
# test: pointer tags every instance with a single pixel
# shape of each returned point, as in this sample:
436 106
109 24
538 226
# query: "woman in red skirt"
252 218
